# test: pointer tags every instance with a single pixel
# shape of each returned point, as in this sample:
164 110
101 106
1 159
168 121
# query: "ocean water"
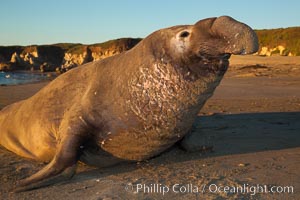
16 78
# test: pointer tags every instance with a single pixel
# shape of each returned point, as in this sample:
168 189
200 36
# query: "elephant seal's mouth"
212 64
213 58
222 62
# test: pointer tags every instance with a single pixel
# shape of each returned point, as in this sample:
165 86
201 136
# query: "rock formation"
75 57
88 53
280 50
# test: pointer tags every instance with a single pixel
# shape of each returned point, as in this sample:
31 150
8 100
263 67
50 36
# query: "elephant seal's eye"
184 34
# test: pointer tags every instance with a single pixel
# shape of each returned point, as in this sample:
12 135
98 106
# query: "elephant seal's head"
206 46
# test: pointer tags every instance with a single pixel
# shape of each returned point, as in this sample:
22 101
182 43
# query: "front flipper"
62 166
197 140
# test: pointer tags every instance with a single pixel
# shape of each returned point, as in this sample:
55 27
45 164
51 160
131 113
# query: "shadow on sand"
247 133
228 134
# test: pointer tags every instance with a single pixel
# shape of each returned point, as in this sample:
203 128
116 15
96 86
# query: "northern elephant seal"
132 106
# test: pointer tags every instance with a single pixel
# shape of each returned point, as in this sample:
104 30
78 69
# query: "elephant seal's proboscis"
129 107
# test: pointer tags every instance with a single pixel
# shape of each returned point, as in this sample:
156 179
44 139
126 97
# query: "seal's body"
132 106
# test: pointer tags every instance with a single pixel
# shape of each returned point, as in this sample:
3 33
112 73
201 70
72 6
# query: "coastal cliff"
60 57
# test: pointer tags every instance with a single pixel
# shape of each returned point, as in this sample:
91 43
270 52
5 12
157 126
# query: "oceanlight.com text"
209 188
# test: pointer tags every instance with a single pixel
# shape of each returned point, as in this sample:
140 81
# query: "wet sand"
252 122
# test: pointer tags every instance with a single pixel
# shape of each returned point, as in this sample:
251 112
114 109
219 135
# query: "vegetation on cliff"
289 38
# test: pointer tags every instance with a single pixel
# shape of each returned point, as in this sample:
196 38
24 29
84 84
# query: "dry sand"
252 122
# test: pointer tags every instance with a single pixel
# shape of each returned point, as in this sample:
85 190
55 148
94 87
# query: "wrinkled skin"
129 107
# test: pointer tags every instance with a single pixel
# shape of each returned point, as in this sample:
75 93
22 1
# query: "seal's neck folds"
164 94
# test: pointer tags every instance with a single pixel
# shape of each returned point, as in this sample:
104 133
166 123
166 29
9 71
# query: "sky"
94 21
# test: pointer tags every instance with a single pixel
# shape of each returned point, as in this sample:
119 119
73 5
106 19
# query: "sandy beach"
251 126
